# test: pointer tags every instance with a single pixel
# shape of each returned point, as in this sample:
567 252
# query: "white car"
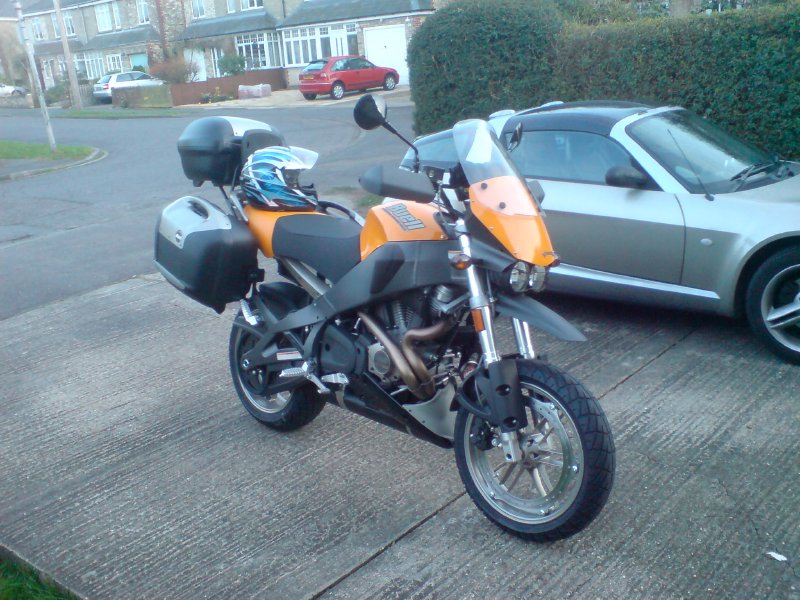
107 83
11 90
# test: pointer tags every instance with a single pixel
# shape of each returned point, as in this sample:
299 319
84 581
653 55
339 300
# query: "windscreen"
483 159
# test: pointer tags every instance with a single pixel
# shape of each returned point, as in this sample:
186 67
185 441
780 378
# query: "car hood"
786 190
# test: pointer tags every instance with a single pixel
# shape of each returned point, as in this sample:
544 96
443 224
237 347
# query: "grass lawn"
12 150
21 583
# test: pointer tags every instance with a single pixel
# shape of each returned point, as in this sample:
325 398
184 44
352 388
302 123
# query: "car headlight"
518 276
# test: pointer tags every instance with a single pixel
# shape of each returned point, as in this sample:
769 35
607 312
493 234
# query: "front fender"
539 316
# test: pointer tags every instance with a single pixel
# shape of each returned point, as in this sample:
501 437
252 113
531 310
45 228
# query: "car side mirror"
370 112
626 177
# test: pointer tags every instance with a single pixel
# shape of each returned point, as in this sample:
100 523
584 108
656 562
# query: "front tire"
389 82
337 91
284 411
567 470
772 303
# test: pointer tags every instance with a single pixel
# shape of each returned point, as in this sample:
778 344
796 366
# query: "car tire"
17 93
309 96
772 303
389 82
337 90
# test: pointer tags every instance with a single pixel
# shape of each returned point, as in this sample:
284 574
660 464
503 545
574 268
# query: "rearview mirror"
370 112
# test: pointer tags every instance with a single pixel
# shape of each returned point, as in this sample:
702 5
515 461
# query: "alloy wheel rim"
542 486
253 380
780 307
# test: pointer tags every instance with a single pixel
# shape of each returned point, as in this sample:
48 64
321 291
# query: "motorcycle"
393 317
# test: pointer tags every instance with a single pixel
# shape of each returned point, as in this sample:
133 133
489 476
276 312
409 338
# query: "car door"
612 231
341 71
367 73
123 80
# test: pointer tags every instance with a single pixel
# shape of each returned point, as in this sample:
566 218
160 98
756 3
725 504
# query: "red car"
339 74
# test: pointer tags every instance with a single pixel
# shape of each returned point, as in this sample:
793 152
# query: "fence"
192 93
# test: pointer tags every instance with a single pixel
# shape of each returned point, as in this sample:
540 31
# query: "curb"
96 155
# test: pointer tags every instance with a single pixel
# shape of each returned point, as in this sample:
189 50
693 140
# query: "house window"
231 6
39 32
90 65
142 10
198 9
248 4
216 54
114 62
305 45
107 15
259 50
68 24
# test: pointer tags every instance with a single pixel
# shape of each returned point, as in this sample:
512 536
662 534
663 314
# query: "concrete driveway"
128 469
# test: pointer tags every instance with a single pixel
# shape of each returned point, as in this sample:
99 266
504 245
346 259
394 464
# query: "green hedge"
739 68
475 56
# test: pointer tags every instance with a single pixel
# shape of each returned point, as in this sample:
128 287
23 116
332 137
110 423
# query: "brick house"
12 54
115 35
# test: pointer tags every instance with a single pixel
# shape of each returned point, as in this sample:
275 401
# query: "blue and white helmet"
271 176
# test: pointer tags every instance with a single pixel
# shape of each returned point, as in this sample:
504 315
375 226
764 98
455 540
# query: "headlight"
538 278
519 276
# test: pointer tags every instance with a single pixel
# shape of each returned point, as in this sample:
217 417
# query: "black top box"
215 148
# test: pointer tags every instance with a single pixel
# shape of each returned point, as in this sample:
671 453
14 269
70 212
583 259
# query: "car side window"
124 77
569 155
142 76
360 63
340 65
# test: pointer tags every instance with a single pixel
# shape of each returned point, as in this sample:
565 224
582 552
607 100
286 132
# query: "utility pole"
75 92
23 38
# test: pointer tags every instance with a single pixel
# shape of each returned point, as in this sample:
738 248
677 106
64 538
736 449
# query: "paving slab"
128 469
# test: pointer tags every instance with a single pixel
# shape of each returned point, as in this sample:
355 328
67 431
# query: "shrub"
57 93
740 68
174 70
473 56
231 64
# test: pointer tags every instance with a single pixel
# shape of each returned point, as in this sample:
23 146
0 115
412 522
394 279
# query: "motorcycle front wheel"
566 472
284 411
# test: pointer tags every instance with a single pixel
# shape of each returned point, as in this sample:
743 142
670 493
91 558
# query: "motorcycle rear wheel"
567 471
285 411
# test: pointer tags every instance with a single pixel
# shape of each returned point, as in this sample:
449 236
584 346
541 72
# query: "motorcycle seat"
330 245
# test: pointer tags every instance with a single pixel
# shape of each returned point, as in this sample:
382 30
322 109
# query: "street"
128 468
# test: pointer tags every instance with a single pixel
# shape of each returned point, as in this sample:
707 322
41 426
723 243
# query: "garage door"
386 47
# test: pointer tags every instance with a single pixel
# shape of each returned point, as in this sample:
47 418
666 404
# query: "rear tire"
772 303
337 91
567 469
285 411
309 96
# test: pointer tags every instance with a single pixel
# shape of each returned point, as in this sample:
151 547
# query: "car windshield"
317 65
483 159
703 157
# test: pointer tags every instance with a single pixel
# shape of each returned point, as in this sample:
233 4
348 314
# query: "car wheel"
772 303
389 82
16 93
337 91
309 96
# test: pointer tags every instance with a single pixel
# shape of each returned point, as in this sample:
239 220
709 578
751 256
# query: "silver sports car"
661 207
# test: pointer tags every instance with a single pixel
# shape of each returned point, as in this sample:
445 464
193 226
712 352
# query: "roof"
596 116
330 11
241 22
55 47
126 37
7 10
38 6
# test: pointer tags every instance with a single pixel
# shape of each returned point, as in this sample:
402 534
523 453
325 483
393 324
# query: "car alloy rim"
780 307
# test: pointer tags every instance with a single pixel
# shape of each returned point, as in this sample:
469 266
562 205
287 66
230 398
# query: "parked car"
11 90
658 206
339 74
107 83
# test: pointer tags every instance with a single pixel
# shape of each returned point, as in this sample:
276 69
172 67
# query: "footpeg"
247 313
292 372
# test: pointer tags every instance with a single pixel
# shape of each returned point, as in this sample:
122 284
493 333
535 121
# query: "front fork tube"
499 383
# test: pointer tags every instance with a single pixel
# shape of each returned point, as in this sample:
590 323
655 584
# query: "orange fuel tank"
399 221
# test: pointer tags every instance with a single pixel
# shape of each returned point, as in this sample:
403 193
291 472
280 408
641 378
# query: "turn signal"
459 260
